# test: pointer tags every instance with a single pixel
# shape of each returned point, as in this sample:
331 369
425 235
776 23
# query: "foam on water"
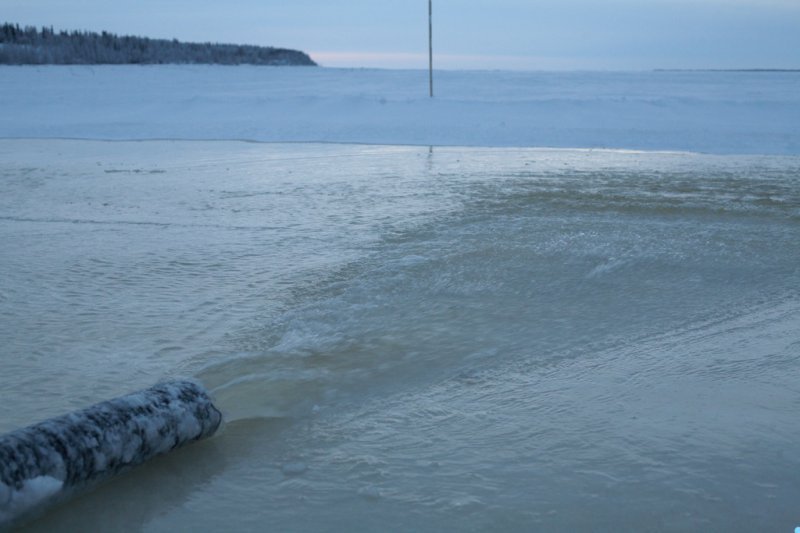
420 339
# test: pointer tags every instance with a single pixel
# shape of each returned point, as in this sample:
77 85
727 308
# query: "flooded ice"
415 339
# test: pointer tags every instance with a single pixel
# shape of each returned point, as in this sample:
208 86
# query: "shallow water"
416 339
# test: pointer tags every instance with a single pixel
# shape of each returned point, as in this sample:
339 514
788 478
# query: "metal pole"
430 45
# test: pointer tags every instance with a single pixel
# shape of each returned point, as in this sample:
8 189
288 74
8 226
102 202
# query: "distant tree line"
31 46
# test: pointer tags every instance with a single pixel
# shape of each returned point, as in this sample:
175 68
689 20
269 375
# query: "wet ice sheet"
416 339
137 260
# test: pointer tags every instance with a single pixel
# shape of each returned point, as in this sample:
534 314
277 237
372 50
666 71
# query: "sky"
468 34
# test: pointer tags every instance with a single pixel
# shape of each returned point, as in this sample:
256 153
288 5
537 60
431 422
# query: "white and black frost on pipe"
50 461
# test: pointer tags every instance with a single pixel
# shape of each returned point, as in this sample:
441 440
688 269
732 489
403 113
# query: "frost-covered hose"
48 462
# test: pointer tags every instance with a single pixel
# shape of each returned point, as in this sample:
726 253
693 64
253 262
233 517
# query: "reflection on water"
415 338
129 502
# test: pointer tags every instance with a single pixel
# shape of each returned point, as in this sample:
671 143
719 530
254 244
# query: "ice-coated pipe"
50 461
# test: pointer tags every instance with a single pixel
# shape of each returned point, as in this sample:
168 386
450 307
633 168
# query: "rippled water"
416 339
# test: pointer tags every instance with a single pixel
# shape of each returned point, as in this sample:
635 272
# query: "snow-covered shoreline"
714 112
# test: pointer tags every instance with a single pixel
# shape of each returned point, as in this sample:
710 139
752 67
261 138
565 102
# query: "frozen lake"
711 112
414 338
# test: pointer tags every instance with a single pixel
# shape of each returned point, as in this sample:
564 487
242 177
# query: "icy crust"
41 462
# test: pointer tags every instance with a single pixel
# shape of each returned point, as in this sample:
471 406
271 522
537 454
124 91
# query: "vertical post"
430 45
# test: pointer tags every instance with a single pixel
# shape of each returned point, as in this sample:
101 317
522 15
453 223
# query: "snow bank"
719 112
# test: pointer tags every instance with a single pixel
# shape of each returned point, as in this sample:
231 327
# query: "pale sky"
471 34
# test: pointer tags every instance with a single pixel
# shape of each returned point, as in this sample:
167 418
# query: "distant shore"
31 46
727 70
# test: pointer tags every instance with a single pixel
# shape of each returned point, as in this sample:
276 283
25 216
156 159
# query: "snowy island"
31 46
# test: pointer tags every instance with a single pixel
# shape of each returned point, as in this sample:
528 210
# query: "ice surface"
412 339
717 112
